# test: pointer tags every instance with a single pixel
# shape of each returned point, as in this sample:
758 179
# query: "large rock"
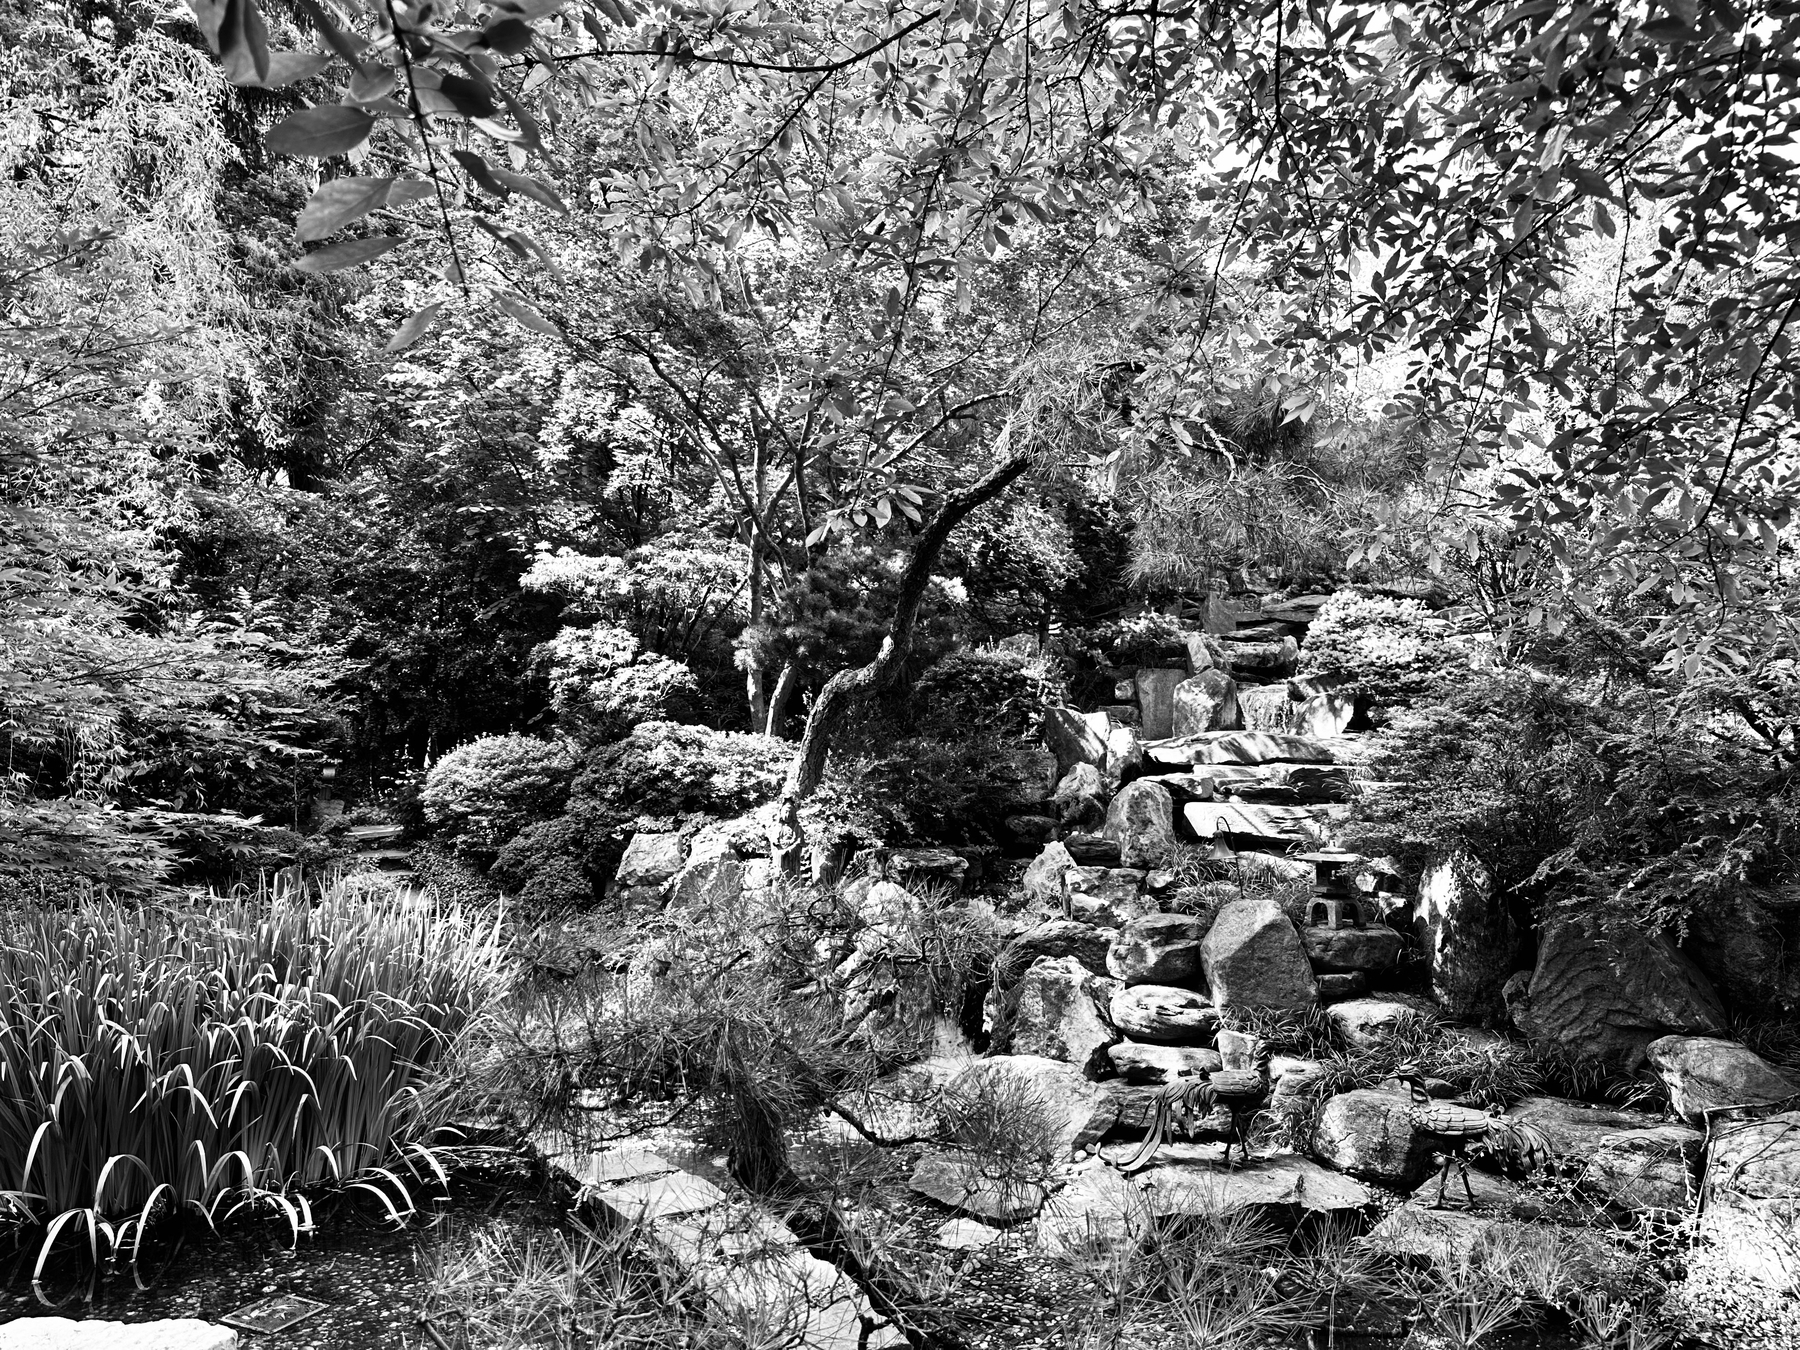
1369 1134
62 1333
709 885
1752 1218
1604 993
650 859
1164 1014
1253 959
1156 700
1054 937
1044 875
1237 747
1207 701
1142 820
1081 798
1109 896
1635 1160
1157 949
1746 944
1161 1063
1057 1013
1052 1097
1124 757
1375 950
1705 1073
1468 938
1101 1209
1075 738
1263 660
1263 826
982 1184
1366 1022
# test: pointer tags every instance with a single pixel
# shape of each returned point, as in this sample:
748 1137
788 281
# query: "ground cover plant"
236 1057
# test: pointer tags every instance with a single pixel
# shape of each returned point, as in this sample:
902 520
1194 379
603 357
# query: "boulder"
1255 826
710 885
1092 850
1237 747
1155 1064
1044 876
1075 738
1577 1131
1336 986
1645 1170
1109 896
1052 938
1468 938
1374 950
1705 1073
1746 944
986 1186
1164 1015
1452 1238
1253 959
1603 993
1292 1081
1204 653
1207 701
1751 1223
650 859
1124 757
1157 949
916 867
1142 821
1057 1013
1055 1095
166 1333
1366 1022
1263 661
1081 798
1029 831
1369 1134
1156 700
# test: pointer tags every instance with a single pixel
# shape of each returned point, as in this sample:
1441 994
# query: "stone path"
745 1267
62 1333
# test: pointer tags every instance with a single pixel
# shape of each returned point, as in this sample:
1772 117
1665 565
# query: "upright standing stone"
1057 1013
1124 757
1081 798
1075 738
1468 938
1253 959
1207 701
1142 820
1156 949
1156 700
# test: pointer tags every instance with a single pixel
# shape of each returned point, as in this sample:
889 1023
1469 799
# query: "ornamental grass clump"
229 1059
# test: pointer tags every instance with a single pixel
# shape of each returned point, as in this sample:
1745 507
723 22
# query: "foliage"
236 1057
1396 648
546 868
1002 693
481 794
602 685
947 790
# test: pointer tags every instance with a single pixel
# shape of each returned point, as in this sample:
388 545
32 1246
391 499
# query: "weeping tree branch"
849 687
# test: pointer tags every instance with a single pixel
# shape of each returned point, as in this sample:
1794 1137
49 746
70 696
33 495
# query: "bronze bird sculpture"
1184 1103
1460 1127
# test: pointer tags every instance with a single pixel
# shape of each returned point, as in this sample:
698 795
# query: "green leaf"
409 190
414 328
348 253
509 37
287 68
480 171
321 132
535 188
526 313
337 203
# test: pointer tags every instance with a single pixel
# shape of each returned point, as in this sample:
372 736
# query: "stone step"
374 834
1236 747
1237 822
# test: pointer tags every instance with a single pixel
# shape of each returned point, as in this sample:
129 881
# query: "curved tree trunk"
849 687
775 722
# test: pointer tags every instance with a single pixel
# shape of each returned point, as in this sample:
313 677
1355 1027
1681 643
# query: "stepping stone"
62 1333
665 1197
1268 825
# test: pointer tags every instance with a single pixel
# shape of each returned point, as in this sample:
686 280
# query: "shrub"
483 793
1397 648
236 1058
545 867
602 684
996 692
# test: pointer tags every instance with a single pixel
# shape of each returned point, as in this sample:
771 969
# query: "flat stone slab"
627 1164
984 1188
665 1197
1262 824
62 1333
1236 747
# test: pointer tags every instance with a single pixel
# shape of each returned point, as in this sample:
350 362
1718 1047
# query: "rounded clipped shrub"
602 684
966 690
1396 648
482 794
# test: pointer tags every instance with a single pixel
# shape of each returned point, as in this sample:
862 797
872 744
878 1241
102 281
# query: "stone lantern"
1335 903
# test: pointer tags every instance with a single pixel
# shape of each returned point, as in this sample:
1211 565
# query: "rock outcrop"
1253 959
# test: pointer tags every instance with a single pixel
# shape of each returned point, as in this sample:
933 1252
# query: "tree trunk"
849 687
775 722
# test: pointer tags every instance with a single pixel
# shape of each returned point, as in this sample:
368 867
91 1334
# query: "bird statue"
1186 1102
1183 1103
1462 1126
